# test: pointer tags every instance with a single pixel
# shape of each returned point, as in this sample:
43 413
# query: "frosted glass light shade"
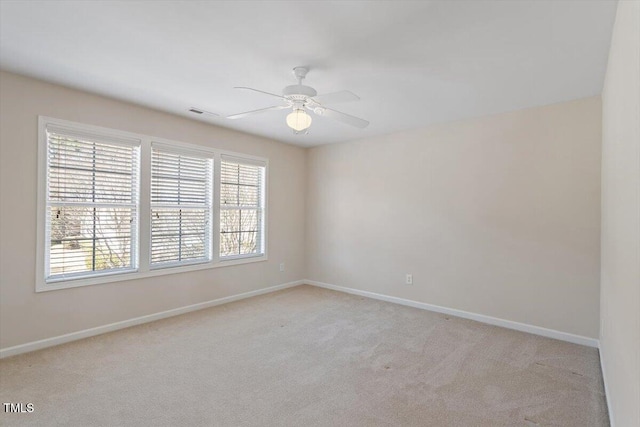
298 120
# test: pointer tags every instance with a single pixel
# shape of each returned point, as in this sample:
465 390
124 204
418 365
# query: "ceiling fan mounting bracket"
300 73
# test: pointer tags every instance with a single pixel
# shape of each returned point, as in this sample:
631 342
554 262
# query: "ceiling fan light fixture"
298 120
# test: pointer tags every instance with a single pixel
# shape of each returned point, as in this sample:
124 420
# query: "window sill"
119 277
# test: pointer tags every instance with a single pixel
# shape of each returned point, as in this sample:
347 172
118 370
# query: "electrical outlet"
282 266
409 279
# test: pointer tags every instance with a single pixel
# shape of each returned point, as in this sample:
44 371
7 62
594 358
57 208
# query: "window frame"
171 148
263 210
143 238
133 205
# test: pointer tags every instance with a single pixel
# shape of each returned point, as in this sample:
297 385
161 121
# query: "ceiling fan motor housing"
299 92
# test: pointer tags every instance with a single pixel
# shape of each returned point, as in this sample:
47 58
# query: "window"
241 208
116 205
180 207
92 204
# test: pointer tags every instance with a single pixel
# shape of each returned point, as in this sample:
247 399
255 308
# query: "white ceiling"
412 63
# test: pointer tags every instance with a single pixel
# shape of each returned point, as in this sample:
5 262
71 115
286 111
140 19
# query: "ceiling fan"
300 99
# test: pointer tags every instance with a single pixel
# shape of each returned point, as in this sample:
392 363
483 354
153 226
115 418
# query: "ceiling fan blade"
336 97
260 91
261 110
344 118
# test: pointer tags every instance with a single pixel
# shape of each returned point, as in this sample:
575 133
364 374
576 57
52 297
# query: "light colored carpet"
308 357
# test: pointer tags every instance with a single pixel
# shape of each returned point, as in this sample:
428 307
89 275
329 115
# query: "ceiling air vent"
195 110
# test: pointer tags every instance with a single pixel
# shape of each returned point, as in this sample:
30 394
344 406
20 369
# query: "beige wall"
620 286
498 216
26 316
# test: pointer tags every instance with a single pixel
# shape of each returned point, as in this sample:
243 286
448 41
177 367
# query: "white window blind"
241 208
91 222
181 205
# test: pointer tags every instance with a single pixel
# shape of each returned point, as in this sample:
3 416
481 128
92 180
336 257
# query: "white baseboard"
523 327
61 339
606 390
